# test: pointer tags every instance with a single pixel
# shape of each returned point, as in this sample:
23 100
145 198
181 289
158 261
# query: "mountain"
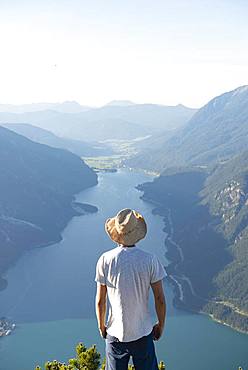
83 149
151 116
65 107
206 219
226 195
106 123
37 187
216 132
78 126
120 103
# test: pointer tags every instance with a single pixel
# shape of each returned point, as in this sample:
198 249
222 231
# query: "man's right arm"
160 305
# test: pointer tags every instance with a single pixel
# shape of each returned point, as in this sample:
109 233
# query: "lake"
51 293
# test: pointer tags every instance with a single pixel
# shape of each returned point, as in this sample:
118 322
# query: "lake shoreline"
79 209
52 291
179 288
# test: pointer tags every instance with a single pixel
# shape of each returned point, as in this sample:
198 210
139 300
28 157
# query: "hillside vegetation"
226 194
42 136
215 133
86 359
37 187
209 213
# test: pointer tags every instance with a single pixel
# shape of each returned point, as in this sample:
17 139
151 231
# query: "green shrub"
86 359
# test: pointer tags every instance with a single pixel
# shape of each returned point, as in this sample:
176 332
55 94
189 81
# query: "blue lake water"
51 293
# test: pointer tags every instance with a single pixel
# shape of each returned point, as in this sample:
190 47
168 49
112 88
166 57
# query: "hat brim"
126 239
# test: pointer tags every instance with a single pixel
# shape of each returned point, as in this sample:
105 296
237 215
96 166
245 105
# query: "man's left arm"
101 300
160 306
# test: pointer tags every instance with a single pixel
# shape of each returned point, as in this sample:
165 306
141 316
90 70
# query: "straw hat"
127 227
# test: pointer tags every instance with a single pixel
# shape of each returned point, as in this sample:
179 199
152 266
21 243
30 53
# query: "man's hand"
103 332
157 332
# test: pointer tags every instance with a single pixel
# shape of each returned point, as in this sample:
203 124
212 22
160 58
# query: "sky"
156 51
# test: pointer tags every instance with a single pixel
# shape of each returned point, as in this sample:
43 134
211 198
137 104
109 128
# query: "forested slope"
42 136
215 133
37 187
209 214
226 194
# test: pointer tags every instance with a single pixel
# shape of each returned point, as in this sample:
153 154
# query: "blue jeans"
141 350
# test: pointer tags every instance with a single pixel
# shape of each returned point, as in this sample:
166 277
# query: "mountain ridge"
108 122
207 209
37 188
43 136
69 106
216 132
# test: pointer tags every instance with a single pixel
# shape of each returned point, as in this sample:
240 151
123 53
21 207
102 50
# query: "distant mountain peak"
120 103
180 105
240 90
64 107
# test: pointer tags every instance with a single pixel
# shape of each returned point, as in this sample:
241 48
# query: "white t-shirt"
128 273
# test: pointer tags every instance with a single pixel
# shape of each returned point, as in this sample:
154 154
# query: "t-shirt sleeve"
100 273
157 270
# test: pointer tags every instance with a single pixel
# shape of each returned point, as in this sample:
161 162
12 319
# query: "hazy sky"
158 51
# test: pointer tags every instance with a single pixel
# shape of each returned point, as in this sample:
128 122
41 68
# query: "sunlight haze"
160 52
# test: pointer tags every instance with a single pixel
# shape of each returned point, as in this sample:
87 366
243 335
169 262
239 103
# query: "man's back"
128 273
124 275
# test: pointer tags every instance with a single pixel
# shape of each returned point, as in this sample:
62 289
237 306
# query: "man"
125 275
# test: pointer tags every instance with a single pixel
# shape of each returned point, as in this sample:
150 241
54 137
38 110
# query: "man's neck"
126 246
